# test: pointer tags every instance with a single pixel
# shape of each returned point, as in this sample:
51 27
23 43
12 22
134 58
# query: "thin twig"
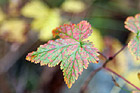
121 77
93 73
102 55
119 51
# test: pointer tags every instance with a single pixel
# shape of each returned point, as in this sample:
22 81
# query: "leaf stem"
121 77
93 73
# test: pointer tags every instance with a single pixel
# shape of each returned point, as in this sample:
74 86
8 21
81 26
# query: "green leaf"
73 57
78 32
71 52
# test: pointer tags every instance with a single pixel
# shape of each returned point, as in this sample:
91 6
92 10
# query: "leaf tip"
55 32
137 15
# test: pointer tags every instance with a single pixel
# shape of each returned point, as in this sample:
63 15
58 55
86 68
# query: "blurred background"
26 24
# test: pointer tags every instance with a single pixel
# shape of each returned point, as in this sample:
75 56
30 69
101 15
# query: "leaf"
133 24
78 32
72 55
44 21
73 6
13 30
2 15
97 38
134 47
74 58
47 24
31 8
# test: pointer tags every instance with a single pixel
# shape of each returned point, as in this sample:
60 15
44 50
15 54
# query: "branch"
102 55
84 87
121 77
119 51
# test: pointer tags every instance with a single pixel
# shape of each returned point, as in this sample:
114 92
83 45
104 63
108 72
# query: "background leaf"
31 8
2 15
13 30
133 24
73 6
44 21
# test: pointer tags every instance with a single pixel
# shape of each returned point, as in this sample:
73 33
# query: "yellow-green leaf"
74 6
13 30
35 9
133 78
44 18
2 15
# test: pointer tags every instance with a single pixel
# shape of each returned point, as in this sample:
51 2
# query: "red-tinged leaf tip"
55 32
29 57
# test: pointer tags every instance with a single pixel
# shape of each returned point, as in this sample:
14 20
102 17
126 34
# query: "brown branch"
85 85
119 51
102 55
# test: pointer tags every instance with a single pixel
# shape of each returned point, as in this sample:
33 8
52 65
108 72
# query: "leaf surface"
78 32
134 47
133 24
69 51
